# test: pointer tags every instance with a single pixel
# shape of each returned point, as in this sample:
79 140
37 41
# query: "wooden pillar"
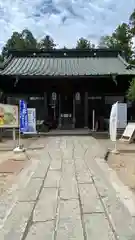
45 105
59 125
86 110
73 125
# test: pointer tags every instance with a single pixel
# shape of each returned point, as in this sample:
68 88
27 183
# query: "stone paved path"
70 197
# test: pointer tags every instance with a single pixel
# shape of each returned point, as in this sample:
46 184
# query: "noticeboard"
8 116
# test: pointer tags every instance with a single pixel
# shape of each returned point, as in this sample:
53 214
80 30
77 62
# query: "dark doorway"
66 104
96 104
66 110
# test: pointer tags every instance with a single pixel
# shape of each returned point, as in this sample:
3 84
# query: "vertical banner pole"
19 148
14 137
19 137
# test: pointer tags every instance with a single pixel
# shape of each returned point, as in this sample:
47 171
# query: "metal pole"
19 148
19 136
14 137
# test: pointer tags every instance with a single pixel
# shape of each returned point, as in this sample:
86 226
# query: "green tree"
14 43
107 42
120 39
131 91
1 58
83 43
29 41
46 43
132 26
132 22
20 41
64 47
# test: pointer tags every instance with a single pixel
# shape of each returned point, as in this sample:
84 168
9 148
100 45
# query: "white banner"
113 122
32 120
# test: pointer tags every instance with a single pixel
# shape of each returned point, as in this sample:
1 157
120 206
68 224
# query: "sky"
64 20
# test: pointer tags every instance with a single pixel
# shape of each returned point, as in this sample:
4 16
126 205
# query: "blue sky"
64 20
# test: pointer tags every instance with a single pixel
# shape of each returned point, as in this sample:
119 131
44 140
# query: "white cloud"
64 20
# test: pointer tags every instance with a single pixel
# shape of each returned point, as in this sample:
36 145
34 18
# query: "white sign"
122 115
31 120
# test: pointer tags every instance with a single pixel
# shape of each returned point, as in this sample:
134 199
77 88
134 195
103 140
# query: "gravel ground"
123 163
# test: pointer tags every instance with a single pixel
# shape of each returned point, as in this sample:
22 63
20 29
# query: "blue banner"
23 116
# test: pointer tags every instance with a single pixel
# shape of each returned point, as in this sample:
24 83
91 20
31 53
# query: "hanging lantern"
77 96
54 96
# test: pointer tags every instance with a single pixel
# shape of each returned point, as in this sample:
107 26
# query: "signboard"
31 120
112 99
129 133
95 98
8 116
122 115
23 116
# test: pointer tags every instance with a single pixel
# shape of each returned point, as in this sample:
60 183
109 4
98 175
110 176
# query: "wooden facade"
68 101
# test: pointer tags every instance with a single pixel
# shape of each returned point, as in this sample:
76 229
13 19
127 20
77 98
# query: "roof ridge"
123 60
66 52
128 65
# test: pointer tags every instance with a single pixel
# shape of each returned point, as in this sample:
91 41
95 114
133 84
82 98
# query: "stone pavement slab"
69 224
41 231
15 225
97 227
69 208
68 183
45 209
69 228
123 223
52 179
82 173
31 191
43 166
56 164
89 199
68 188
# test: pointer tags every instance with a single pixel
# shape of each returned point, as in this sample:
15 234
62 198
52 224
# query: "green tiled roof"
60 66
